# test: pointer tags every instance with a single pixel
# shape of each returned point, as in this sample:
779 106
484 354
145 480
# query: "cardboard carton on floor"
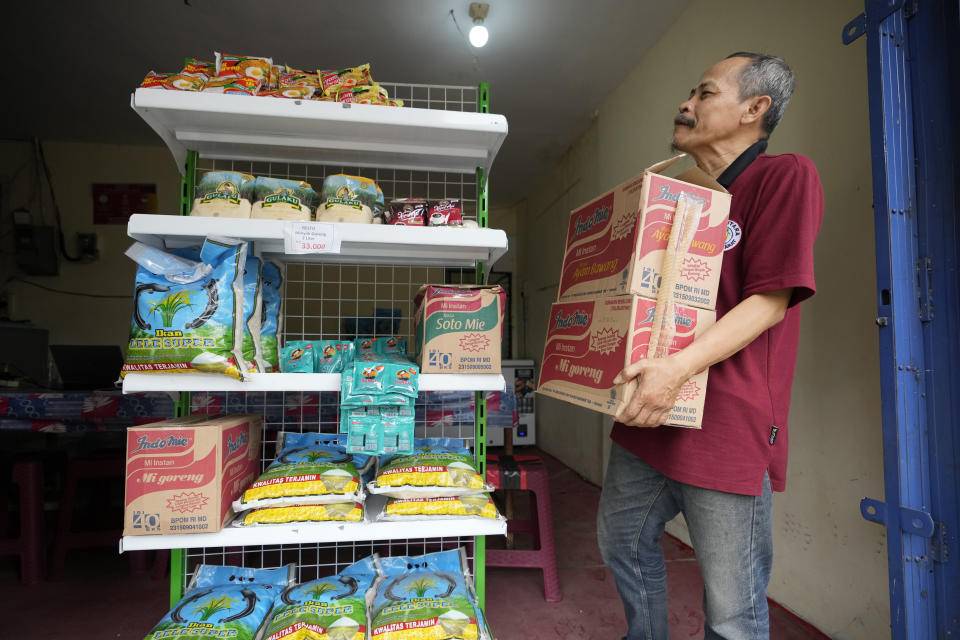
590 341
183 474
616 243
459 328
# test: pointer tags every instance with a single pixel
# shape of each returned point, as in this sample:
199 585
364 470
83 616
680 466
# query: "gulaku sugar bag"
279 199
349 199
337 511
270 317
223 194
305 473
252 313
437 467
427 596
332 608
190 322
224 602
434 508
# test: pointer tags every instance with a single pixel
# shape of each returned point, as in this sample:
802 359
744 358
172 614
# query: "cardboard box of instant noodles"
183 474
590 341
616 243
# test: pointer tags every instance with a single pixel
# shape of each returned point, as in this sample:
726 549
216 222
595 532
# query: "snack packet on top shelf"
270 317
200 68
290 77
154 80
190 322
224 602
333 81
185 82
395 103
437 467
337 511
407 211
223 194
426 596
331 608
445 213
363 94
252 312
231 66
305 473
278 199
297 357
242 86
349 199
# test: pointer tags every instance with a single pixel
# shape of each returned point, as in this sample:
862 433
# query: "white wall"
830 565
81 319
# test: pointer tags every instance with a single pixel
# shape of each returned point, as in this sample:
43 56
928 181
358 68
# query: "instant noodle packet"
279 199
223 194
305 473
231 66
333 81
437 467
331 608
154 80
363 94
270 317
224 602
191 322
429 596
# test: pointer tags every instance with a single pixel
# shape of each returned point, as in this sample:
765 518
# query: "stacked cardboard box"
616 263
459 328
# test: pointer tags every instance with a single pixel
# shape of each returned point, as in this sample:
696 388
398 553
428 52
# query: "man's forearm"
736 329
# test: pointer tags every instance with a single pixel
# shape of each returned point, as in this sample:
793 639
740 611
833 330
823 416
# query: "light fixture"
478 33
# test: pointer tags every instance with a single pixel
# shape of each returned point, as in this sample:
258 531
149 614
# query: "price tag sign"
310 237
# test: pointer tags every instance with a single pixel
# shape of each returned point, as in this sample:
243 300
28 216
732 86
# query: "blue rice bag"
252 315
270 317
291 439
224 602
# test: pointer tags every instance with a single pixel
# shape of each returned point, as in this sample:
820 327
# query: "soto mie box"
616 243
183 474
590 341
458 329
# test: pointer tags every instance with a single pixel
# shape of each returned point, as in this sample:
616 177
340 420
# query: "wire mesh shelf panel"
423 96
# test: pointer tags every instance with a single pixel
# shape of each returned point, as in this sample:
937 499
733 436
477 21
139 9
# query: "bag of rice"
270 317
362 462
429 596
224 602
223 194
338 511
434 508
333 608
190 322
437 467
349 199
252 312
305 473
278 199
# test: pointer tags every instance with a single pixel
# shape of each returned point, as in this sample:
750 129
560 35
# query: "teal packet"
297 357
365 347
332 356
224 602
369 391
398 429
270 316
393 346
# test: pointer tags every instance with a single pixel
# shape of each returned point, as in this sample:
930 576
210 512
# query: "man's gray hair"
766 76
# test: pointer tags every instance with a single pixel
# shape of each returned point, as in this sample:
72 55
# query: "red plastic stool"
78 469
527 473
28 476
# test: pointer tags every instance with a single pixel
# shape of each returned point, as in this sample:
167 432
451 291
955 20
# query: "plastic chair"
527 473
29 544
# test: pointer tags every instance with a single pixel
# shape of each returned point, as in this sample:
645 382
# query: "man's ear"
756 108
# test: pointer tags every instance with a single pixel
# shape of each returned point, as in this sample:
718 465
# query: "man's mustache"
685 121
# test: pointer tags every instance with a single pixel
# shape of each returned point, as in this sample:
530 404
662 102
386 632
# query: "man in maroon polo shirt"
721 476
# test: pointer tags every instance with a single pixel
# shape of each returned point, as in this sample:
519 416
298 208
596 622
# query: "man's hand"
656 385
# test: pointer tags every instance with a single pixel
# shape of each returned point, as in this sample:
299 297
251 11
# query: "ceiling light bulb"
478 35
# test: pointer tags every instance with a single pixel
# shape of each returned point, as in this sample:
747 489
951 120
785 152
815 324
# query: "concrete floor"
99 597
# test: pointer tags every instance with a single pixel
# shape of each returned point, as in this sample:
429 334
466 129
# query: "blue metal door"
914 84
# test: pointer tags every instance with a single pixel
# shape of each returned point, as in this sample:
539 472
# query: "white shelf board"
313 132
314 532
359 243
174 382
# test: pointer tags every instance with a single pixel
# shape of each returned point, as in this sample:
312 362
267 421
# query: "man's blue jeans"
731 536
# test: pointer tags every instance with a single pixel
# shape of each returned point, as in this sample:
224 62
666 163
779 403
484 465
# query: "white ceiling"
72 65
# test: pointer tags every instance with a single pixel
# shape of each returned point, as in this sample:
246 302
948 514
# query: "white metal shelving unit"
437 150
